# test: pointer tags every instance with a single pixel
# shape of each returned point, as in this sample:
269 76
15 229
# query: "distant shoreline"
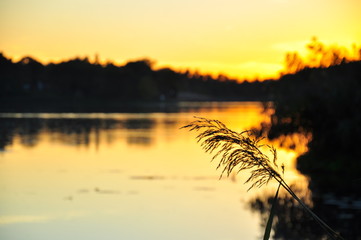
57 105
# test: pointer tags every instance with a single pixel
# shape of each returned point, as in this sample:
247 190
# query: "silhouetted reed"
242 151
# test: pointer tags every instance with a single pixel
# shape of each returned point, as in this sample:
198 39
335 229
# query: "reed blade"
268 229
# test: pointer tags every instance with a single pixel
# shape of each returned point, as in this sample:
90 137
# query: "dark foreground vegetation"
323 103
320 99
292 222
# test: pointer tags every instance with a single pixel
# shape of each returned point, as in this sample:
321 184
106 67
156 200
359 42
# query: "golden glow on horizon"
244 39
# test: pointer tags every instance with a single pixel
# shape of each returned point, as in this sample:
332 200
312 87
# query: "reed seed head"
237 151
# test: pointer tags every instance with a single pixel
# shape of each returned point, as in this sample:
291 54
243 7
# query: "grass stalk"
243 152
268 228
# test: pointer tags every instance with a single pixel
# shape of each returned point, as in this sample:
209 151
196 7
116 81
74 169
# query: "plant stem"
328 229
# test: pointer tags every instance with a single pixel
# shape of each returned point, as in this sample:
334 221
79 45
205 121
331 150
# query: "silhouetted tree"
320 56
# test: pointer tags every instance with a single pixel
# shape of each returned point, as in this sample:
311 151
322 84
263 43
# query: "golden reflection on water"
127 176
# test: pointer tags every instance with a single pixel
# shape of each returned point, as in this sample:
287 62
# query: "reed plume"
242 151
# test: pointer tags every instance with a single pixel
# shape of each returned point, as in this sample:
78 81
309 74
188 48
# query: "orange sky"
235 37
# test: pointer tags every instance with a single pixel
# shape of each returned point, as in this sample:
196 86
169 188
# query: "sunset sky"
235 37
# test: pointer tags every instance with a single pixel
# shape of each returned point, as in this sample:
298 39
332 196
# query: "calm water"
124 176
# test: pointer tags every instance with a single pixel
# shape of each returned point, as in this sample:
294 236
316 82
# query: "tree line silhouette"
320 56
79 79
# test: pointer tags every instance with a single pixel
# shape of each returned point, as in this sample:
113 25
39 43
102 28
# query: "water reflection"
342 213
83 128
121 176
74 131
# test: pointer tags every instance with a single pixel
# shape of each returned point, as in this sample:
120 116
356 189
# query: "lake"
126 176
